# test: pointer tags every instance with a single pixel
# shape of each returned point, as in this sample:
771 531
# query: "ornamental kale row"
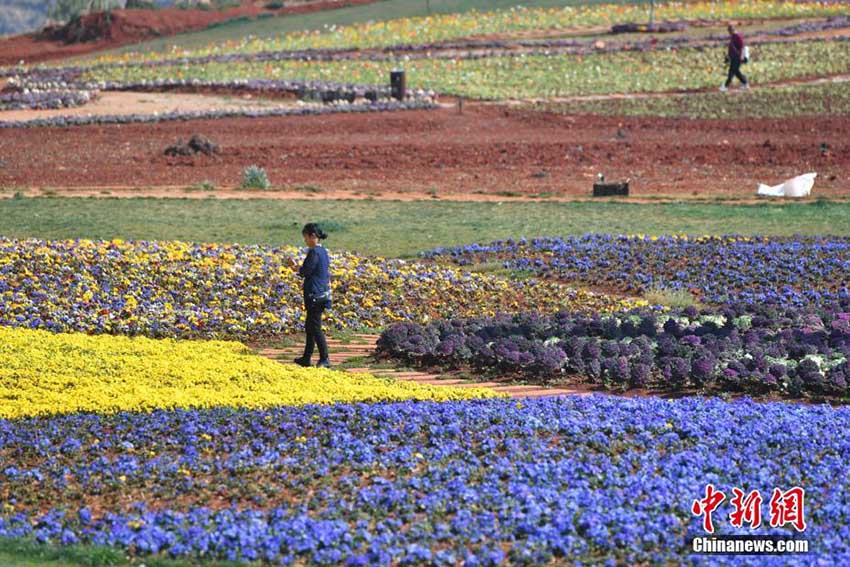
753 349
64 121
563 480
789 271
49 99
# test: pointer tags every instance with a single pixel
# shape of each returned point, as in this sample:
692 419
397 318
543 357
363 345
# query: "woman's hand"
290 261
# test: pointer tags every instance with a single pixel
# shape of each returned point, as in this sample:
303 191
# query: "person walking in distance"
317 294
735 57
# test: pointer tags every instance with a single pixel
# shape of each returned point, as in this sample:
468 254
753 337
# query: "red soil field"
487 149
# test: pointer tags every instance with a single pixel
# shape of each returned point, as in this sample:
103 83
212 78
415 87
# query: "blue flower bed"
578 480
742 348
794 271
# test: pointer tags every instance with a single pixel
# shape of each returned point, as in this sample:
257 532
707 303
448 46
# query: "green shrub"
255 178
673 298
141 5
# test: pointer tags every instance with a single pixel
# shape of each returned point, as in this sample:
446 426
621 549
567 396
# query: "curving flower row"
308 110
44 373
592 480
178 289
523 75
754 349
474 48
793 271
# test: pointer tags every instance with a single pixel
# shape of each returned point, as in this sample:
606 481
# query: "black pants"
315 335
735 71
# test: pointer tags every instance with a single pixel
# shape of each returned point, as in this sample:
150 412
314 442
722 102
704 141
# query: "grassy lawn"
399 229
24 553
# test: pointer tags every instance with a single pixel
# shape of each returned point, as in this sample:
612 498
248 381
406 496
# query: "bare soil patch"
125 103
488 150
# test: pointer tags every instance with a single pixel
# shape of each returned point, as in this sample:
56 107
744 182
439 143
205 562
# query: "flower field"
521 76
777 320
44 373
137 417
466 62
178 289
788 271
443 27
578 479
745 348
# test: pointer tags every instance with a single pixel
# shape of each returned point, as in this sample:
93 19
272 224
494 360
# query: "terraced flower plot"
443 27
178 289
135 429
590 479
787 271
44 373
528 76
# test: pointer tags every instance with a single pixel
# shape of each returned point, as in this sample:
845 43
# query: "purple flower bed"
562 480
794 271
744 348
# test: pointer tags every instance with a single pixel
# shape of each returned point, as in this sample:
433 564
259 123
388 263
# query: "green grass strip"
21 552
399 229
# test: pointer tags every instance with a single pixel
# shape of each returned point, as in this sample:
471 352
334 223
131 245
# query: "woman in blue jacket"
317 294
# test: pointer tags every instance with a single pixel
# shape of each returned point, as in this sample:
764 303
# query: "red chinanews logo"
786 507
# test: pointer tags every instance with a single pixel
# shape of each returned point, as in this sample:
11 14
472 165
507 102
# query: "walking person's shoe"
301 361
723 88
323 364
746 86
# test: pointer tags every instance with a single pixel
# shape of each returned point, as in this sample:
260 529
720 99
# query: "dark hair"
315 229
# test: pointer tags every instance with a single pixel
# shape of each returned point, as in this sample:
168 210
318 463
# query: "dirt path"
179 192
361 346
125 103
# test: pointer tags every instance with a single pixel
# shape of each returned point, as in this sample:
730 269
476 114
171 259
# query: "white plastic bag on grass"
800 186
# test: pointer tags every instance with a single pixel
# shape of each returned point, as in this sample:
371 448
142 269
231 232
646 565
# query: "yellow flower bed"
44 373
